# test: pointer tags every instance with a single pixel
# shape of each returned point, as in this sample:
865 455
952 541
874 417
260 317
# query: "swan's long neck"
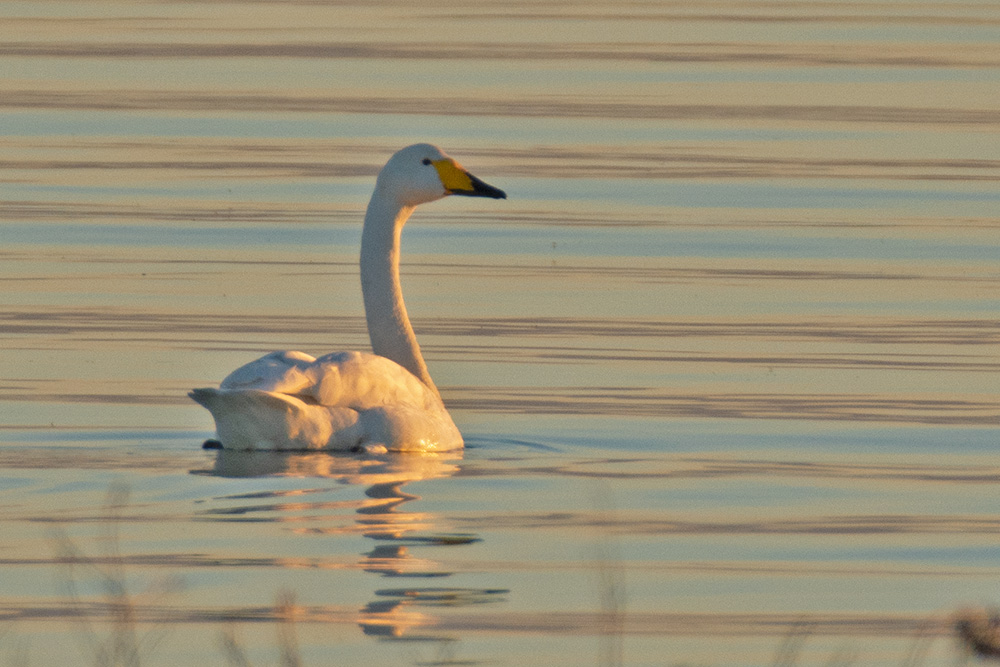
388 325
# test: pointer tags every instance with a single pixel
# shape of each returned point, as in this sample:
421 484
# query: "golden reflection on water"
380 517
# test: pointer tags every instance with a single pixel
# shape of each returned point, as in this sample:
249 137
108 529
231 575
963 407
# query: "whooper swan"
355 400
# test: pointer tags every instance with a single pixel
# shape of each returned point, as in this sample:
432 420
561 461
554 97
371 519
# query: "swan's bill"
458 181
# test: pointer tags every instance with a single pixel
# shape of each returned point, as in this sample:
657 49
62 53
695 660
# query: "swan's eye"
426 161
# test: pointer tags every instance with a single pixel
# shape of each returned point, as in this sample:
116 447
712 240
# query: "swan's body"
355 400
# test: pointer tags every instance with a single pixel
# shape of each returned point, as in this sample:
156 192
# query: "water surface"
726 359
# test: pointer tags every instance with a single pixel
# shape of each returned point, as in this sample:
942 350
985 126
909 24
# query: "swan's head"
422 173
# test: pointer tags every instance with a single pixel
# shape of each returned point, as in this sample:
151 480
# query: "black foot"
211 444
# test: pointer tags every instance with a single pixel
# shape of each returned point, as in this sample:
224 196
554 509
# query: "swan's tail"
203 397
255 419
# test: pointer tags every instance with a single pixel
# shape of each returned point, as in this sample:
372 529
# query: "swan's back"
356 380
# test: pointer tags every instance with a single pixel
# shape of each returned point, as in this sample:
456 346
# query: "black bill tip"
481 189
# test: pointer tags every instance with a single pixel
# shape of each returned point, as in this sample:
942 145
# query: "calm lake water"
726 360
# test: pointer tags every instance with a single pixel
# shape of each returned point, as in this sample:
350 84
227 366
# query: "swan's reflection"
381 517
395 469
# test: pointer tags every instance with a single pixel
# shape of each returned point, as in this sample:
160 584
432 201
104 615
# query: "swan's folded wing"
364 381
278 372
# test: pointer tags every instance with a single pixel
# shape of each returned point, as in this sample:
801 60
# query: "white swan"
355 400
